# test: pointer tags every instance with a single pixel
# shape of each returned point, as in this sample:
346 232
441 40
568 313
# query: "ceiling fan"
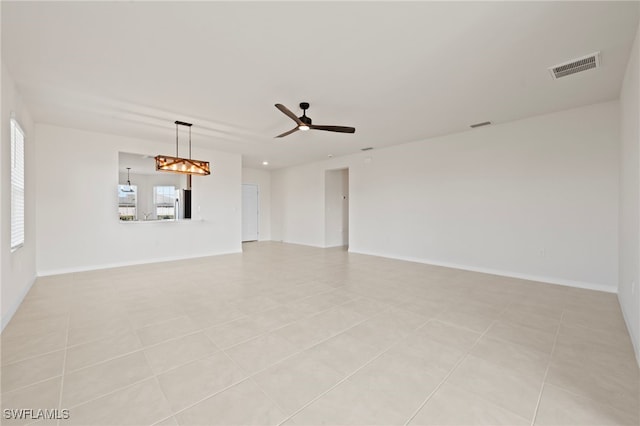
304 122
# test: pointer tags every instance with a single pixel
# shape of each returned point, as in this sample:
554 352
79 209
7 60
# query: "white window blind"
164 200
128 202
17 186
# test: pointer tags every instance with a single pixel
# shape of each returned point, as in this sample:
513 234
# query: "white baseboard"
539 278
6 316
302 244
48 272
634 338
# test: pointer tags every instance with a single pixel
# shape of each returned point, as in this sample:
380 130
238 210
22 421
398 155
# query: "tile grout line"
143 347
277 328
119 388
155 324
112 391
65 369
544 378
307 317
134 330
348 376
64 366
164 419
246 378
466 355
164 395
251 375
451 371
304 318
175 413
34 356
137 382
198 359
33 384
314 344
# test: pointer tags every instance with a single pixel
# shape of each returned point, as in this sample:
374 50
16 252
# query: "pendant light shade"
181 165
129 189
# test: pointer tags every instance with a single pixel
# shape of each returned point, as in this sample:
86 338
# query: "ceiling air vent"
484 123
366 149
576 65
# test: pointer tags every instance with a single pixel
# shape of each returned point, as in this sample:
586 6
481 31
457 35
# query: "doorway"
249 212
336 206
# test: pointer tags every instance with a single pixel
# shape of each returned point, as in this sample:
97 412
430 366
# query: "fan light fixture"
303 128
177 164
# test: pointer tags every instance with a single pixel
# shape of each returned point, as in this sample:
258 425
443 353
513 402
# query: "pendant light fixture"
129 188
182 165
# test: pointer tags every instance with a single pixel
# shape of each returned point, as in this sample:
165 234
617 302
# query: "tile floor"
294 335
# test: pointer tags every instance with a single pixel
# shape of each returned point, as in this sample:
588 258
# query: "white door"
336 204
249 212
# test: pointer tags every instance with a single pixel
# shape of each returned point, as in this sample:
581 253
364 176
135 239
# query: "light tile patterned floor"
287 334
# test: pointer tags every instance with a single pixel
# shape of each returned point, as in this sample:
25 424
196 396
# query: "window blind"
17 185
164 199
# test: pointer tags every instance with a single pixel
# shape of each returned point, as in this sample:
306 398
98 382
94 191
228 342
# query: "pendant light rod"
183 123
177 164
128 188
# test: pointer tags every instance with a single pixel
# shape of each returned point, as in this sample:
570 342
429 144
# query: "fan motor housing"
306 120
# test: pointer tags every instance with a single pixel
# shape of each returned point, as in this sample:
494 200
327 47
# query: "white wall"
77 220
297 204
18 270
262 178
628 291
535 198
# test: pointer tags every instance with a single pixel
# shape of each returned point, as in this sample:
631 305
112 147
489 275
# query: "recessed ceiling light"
330 155
265 163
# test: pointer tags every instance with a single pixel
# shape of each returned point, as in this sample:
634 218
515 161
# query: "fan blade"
289 114
341 129
295 129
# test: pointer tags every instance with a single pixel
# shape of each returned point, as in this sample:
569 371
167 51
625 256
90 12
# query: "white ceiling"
398 72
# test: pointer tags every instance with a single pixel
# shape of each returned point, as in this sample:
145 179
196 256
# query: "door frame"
257 213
